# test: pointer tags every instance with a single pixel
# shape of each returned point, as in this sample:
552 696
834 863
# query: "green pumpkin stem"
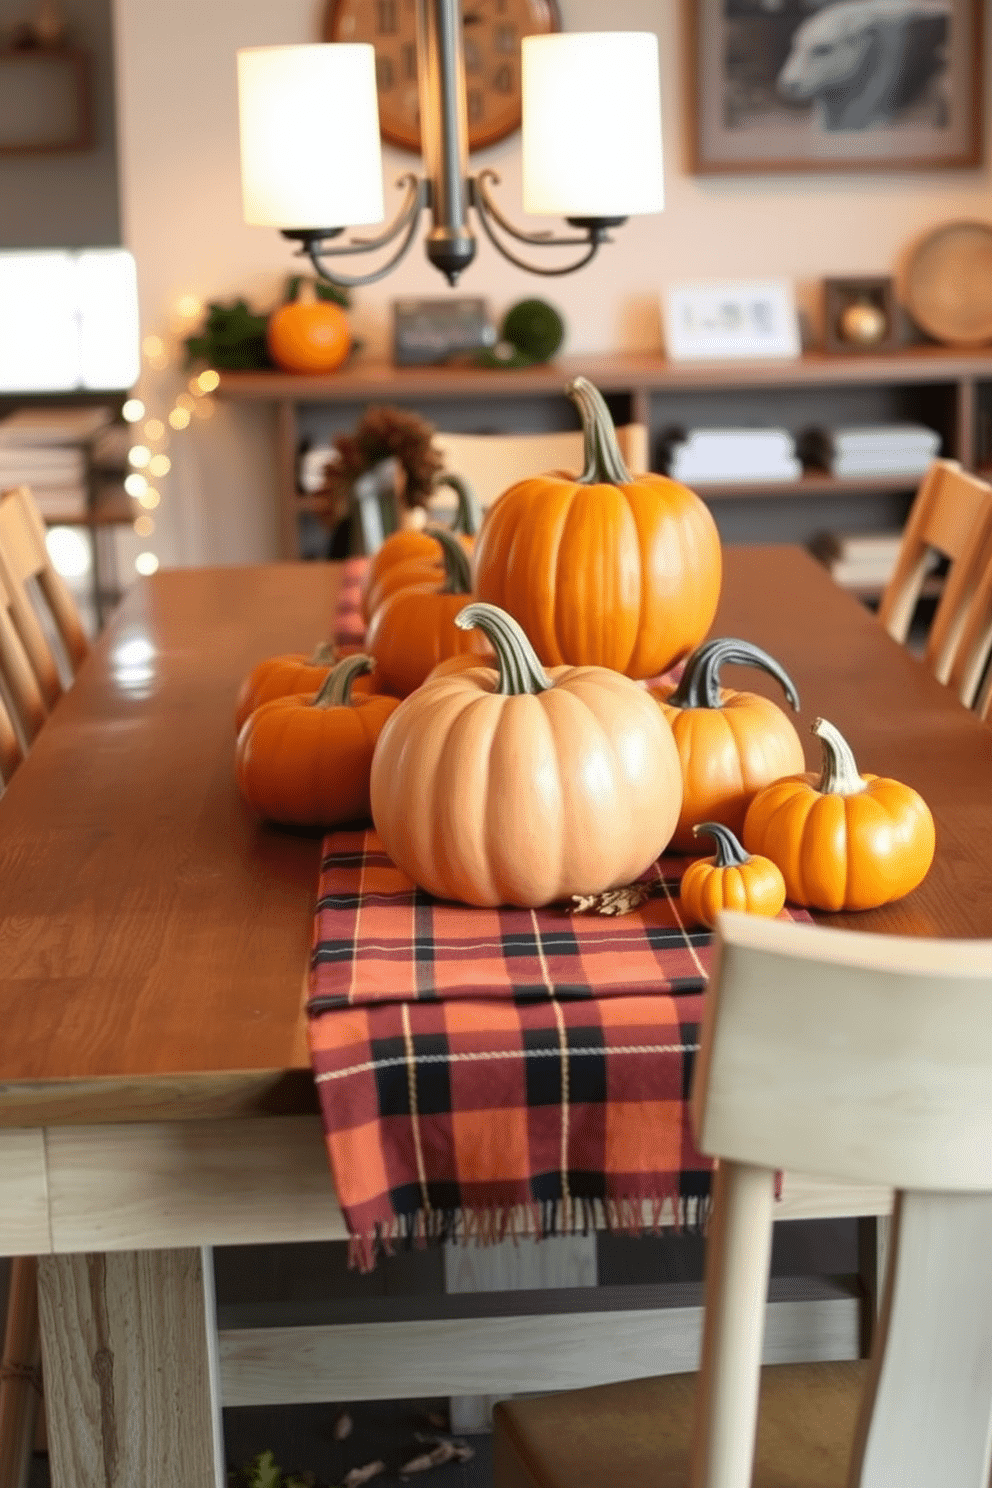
839 776
467 514
457 569
699 686
335 691
520 670
604 464
729 852
322 655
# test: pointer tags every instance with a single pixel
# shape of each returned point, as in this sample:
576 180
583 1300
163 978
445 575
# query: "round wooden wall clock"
491 30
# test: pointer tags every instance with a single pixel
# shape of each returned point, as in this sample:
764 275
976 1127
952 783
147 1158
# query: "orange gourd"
414 629
278 676
843 840
417 545
305 760
730 743
308 336
512 785
730 879
607 568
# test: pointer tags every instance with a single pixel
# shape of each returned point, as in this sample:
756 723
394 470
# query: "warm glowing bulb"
180 418
135 484
154 429
208 381
69 552
145 563
159 465
144 526
133 410
139 455
149 499
188 307
186 401
153 346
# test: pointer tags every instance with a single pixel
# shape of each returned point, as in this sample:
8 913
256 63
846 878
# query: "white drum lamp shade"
591 134
310 151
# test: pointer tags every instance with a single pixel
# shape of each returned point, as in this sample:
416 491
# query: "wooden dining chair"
20 688
868 1058
29 575
492 462
951 517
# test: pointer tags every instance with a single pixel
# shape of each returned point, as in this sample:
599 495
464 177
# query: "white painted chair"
951 517
831 1052
492 462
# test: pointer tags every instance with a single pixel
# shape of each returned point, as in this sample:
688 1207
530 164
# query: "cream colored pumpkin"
520 786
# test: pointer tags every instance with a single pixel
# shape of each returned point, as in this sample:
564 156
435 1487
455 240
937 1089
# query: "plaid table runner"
487 1073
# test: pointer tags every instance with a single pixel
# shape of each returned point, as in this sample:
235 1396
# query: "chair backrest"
951 517
971 677
20 689
25 565
11 750
492 462
868 1058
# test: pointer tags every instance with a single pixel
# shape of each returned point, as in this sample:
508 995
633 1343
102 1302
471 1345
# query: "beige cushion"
636 1434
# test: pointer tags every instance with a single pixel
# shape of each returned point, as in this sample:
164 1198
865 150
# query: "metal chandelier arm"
313 244
489 213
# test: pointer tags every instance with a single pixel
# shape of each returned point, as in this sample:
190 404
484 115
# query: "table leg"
129 1343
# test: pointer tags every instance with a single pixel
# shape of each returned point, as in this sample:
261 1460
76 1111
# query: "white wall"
182 218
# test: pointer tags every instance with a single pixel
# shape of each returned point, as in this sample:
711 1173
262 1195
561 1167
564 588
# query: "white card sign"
752 319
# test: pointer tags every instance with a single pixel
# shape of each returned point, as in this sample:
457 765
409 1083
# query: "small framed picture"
747 319
859 315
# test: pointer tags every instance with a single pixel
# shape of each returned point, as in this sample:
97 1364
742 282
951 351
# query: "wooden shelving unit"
947 386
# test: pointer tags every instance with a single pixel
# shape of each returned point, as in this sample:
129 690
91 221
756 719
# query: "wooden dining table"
156 1097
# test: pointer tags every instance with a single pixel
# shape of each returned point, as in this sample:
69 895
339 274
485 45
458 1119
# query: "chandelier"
311 162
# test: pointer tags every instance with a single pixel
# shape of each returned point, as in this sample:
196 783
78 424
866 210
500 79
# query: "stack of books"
47 448
859 560
872 449
701 455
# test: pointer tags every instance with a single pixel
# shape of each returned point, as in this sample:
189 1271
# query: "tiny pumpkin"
606 568
305 760
294 671
414 544
730 879
512 785
842 840
730 743
414 629
308 336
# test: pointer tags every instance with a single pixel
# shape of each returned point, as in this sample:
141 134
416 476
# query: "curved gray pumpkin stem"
468 512
457 569
520 670
729 852
839 776
335 691
604 464
699 686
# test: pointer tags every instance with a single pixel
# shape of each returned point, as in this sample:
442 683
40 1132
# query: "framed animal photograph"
801 85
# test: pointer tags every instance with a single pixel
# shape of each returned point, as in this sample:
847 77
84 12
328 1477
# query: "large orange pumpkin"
414 629
607 568
417 545
843 840
520 786
730 743
305 760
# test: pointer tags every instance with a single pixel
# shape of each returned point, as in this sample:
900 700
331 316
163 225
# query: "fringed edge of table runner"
537 1220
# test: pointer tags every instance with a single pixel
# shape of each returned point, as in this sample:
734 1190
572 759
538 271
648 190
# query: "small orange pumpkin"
606 568
730 743
843 840
414 629
308 336
730 879
278 676
305 760
416 544
512 785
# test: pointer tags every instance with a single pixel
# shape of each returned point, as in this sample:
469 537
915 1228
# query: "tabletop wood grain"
154 933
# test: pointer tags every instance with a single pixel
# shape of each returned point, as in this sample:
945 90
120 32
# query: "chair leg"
20 1374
